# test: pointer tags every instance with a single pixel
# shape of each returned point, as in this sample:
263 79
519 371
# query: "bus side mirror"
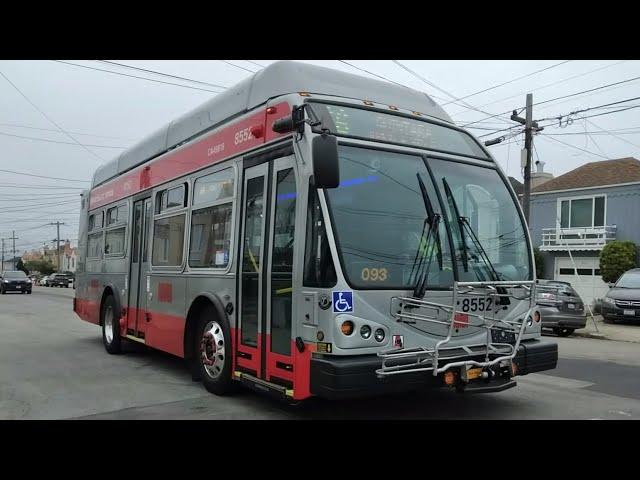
326 167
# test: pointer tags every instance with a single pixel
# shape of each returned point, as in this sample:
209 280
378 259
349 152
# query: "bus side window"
319 270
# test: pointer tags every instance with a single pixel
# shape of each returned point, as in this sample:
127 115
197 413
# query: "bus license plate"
500 335
629 312
474 373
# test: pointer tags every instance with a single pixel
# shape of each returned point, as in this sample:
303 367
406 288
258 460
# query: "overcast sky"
109 112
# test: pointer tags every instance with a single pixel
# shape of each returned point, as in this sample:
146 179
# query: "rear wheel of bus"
110 326
213 352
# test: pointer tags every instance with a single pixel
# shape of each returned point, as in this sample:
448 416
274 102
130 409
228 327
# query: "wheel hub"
108 324
212 349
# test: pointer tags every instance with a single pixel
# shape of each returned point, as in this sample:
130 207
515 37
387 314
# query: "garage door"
588 282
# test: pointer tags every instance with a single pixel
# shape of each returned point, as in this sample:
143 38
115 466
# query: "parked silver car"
622 301
561 308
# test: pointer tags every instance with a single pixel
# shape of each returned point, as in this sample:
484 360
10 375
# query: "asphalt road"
53 366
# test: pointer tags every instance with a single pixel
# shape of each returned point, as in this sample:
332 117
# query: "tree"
539 261
42 266
616 258
20 266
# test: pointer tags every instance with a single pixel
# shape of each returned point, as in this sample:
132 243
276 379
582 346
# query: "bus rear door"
139 273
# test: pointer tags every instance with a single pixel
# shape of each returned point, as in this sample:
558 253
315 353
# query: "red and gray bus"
310 232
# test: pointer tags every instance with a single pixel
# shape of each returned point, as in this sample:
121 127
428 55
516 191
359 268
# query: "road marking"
551 381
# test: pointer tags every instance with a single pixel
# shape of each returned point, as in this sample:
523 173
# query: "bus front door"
138 295
265 338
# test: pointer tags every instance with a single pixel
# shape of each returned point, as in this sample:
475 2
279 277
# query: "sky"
104 109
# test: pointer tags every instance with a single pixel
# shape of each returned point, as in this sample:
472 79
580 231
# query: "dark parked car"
622 301
15 281
59 280
561 308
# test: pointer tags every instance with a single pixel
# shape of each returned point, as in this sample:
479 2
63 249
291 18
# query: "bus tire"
212 352
110 326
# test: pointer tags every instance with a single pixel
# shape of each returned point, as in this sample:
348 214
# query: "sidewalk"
628 332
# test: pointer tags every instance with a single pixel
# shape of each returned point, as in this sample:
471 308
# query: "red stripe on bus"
212 148
88 310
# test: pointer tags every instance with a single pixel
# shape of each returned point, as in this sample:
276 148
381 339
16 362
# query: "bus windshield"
382 226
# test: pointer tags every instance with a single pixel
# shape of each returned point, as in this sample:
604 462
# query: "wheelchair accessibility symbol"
342 302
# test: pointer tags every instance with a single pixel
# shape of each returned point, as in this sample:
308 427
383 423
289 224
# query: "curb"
599 336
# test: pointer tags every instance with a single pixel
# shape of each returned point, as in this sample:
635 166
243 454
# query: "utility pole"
2 266
529 127
57 224
14 238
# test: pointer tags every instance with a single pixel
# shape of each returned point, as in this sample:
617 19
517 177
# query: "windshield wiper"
433 219
463 224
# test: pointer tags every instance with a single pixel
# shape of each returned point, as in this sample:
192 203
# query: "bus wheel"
110 326
213 352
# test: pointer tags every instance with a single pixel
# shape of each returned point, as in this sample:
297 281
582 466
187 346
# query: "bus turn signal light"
347 327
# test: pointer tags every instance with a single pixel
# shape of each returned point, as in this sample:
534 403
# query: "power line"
573 146
43 176
163 74
255 63
135 76
58 141
573 113
76 133
510 81
590 108
553 99
31 207
600 114
49 118
237 66
433 85
374 74
38 187
612 134
554 83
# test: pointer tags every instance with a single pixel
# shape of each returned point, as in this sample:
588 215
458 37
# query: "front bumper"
552 317
15 288
353 376
617 313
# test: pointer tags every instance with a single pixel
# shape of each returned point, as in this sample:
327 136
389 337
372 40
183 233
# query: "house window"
582 212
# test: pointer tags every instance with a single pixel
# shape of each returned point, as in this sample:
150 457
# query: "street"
54 366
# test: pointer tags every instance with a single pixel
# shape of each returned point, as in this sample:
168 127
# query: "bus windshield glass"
389 128
381 221
488 233
382 226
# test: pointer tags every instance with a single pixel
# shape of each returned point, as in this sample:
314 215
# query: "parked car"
622 301
15 281
43 281
59 280
561 308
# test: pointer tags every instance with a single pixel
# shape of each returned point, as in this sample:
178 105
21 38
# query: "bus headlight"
365 331
379 335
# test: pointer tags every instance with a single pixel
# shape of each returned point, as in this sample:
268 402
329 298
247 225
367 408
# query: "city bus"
310 232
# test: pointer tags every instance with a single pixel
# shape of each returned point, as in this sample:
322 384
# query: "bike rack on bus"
440 358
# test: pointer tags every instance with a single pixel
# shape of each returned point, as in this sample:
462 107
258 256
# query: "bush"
42 266
539 262
20 266
616 258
